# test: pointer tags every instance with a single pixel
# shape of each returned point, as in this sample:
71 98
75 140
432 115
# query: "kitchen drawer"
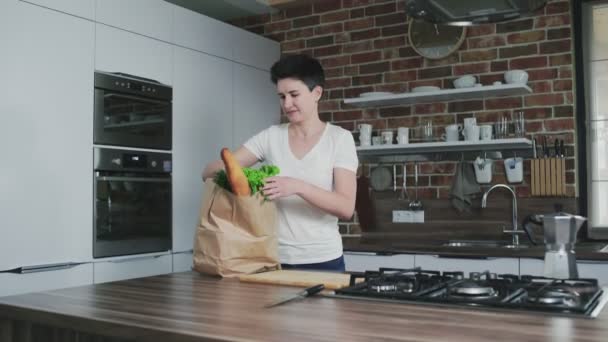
150 18
79 8
360 262
466 265
182 262
13 284
129 268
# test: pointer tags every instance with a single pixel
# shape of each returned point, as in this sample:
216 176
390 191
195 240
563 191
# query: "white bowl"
465 82
516 77
423 89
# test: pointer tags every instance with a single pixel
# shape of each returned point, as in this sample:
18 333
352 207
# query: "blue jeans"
331 265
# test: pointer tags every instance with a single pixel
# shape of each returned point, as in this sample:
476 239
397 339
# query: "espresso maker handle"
531 219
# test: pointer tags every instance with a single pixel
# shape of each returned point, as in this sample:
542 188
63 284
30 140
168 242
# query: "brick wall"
363 46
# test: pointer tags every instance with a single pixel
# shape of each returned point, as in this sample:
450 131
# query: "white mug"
469 122
403 135
471 133
485 132
387 137
365 132
452 132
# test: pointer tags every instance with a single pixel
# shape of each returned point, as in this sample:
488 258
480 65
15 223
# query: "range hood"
471 12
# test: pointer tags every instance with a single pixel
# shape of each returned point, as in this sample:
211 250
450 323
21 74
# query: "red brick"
486 42
277 37
559 33
400 76
358 47
369 79
476 56
366 57
336 94
388 42
348 115
394 111
541 74
438 72
534 126
325 106
465 106
559 124
474 68
407 63
528 62
380 9
393 87
561 85
436 83
390 54
540 87
351 70
514 25
565 72
374 68
553 21
407 52
441 180
433 108
298 11
327 5
391 19
556 47
334 16
357 13
337 83
499 66
342 37
320 41
563 111
544 100
526 37
293 45
481 30
359 24
558 7
333 62
277 26
394 30
333 72
366 34
569 98
504 102
327 51
355 3
537 113
488 79
403 121
301 33
330 28
520 50
565 59
306 21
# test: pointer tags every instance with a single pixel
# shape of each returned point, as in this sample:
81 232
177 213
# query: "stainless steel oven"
132 111
132 202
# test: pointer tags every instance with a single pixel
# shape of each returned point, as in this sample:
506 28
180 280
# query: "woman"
318 162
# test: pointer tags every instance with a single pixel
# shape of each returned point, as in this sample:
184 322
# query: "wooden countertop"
190 307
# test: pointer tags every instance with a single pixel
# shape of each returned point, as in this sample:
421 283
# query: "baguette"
236 177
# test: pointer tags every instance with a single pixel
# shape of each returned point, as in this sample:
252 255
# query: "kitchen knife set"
548 169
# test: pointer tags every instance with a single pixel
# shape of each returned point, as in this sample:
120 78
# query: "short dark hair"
301 67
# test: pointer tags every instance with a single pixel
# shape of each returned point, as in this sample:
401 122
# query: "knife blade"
561 148
300 295
556 147
545 149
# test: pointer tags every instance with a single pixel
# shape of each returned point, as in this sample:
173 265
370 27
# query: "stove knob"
474 275
492 275
116 161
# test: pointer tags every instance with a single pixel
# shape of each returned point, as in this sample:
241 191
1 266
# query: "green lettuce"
254 176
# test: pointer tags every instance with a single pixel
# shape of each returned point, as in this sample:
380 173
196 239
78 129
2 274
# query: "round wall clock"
435 41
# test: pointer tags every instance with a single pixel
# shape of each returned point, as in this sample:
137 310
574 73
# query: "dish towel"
464 187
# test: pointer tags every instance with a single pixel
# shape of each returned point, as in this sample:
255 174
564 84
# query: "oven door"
131 120
132 213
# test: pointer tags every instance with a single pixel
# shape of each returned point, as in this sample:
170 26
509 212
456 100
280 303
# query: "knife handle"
313 290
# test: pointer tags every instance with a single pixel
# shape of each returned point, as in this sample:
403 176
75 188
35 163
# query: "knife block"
548 177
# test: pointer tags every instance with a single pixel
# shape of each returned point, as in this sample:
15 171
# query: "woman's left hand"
277 187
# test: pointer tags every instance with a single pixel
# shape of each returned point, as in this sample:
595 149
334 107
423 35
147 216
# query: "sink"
482 244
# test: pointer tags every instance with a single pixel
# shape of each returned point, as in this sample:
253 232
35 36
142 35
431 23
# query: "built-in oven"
132 202
132 111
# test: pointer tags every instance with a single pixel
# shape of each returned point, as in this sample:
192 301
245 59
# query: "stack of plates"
423 89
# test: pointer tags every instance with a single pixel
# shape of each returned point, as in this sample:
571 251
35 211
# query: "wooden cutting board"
331 280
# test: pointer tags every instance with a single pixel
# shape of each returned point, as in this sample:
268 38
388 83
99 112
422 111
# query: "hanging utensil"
300 295
416 204
404 195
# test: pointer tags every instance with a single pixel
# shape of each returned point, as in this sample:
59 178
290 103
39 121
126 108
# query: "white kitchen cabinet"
360 262
121 51
254 50
14 284
152 18
80 8
256 103
46 126
466 265
131 267
182 262
597 269
202 33
202 125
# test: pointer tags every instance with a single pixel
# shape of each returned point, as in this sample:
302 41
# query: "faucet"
515 231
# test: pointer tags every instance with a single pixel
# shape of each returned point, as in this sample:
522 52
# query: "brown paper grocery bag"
236 234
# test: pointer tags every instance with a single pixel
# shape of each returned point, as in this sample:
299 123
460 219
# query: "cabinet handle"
464 257
147 257
42 268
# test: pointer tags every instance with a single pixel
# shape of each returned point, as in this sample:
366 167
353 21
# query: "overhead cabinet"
80 8
204 34
150 18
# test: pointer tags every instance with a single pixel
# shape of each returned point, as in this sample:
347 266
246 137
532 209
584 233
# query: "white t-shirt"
307 234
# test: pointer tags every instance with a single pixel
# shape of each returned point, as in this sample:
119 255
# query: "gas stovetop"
569 297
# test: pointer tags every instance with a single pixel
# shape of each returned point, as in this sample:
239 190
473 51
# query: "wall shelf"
442 150
440 95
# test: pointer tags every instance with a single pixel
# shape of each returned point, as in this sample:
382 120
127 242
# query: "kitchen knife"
545 149
300 295
561 148
556 147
